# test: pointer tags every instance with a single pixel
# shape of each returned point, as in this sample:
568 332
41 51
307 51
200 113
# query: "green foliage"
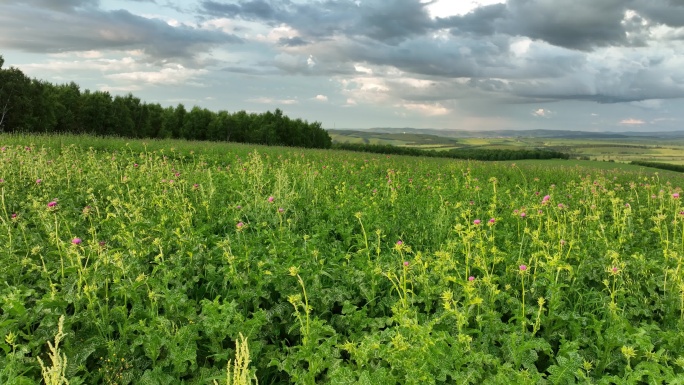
164 257
662 166
35 106
474 154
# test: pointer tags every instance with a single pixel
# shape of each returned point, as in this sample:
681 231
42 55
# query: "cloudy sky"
593 65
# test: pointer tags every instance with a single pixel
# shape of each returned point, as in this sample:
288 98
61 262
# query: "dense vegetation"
662 166
337 267
468 153
35 106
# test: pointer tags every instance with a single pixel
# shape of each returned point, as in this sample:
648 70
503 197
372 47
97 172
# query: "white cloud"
267 100
427 109
362 69
632 121
321 98
542 113
171 75
103 65
446 8
118 89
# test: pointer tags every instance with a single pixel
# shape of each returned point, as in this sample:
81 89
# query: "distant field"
619 150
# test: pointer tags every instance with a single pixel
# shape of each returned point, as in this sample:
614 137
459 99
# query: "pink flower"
399 243
546 198
52 204
38 181
135 165
675 195
281 210
406 263
271 199
523 215
471 278
102 243
492 220
238 207
477 222
523 267
14 215
615 269
76 241
240 225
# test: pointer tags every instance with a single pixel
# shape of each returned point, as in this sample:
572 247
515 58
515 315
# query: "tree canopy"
31 105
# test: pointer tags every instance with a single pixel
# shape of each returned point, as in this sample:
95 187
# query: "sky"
591 65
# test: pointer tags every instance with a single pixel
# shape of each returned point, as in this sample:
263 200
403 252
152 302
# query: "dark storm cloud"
292 41
390 21
574 24
480 21
89 28
53 5
668 12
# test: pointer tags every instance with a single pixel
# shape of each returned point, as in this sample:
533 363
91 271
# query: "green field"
617 150
336 267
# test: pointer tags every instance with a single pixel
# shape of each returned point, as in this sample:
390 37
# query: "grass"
155 262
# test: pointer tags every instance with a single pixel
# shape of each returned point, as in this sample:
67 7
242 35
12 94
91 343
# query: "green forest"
37 106
468 153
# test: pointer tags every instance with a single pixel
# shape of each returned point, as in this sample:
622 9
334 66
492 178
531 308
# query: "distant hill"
560 134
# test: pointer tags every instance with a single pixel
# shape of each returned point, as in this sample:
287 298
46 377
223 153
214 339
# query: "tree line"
467 153
662 166
37 106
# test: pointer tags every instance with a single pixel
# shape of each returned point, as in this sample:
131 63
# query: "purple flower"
471 278
399 243
240 225
271 199
281 210
76 241
675 195
39 181
52 204
14 215
238 207
477 222
546 198
523 215
523 267
406 263
492 220
135 165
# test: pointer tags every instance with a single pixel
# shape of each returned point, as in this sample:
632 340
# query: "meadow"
159 262
597 148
